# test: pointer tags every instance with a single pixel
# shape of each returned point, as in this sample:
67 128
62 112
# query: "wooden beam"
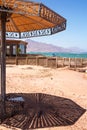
3 63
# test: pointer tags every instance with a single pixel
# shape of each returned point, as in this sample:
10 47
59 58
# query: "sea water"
68 55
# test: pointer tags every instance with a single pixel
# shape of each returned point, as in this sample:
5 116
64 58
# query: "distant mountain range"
34 46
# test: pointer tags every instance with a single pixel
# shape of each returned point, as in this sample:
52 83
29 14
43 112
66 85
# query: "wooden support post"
75 63
81 62
56 62
46 61
24 49
27 60
3 63
37 60
0 71
16 60
63 62
69 62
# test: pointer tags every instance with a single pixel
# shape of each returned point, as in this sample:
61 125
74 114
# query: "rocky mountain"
34 46
76 49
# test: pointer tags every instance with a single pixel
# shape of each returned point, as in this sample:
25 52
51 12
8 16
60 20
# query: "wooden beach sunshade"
28 19
24 19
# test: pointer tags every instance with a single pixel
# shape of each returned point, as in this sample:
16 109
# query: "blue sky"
75 35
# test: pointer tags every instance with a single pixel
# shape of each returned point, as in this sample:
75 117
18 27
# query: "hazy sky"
75 35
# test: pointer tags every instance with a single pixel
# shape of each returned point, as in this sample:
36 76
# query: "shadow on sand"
41 111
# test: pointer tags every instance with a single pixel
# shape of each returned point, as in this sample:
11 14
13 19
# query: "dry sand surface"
59 82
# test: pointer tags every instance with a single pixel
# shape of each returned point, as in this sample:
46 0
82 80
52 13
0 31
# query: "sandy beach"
60 82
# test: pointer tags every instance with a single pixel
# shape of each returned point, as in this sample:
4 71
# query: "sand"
59 82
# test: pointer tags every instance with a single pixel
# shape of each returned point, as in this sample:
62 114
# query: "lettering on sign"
36 33
58 28
12 35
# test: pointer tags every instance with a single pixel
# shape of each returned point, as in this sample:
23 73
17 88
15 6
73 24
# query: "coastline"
61 54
